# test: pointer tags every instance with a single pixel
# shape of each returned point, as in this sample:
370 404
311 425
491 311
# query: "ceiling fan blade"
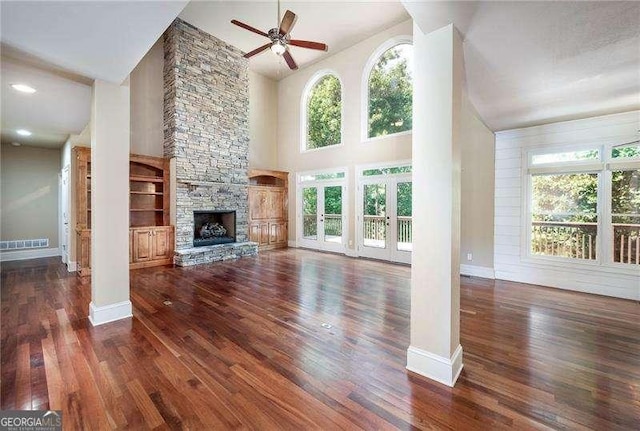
288 21
257 50
308 44
290 61
248 27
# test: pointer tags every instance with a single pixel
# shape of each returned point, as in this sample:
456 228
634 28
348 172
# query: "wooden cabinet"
83 251
151 239
150 246
268 208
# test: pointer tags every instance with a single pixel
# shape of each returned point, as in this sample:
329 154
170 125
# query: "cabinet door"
161 243
83 250
275 207
278 233
142 245
254 232
258 202
264 234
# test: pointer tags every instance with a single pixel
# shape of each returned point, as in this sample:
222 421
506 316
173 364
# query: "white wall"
511 261
263 121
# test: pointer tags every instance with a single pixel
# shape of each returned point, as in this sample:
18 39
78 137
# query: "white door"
384 218
322 216
64 214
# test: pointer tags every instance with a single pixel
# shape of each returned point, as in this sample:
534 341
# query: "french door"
322 216
384 218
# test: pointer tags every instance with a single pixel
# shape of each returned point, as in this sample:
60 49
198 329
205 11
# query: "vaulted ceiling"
526 62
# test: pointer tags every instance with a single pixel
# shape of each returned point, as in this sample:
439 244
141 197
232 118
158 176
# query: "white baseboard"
72 266
478 271
292 243
35 253
434 367
109 313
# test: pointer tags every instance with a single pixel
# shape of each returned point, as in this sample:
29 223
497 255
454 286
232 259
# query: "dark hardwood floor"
241 345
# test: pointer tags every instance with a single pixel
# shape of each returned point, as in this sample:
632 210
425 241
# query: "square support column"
435 350
110 125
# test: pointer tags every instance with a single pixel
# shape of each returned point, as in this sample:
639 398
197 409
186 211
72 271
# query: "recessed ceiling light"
23 88
23 132
16 144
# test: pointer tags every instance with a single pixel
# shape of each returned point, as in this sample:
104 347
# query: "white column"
109 203
435 350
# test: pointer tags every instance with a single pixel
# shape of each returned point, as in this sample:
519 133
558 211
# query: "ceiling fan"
280 38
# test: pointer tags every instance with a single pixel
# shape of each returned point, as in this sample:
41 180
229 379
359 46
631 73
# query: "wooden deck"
241 345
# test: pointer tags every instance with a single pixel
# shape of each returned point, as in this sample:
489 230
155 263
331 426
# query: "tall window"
390 92
323 113
625 205
570 190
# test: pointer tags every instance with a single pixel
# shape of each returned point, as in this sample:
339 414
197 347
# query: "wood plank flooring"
241 345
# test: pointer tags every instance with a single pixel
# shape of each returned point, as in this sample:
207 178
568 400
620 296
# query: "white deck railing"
578 240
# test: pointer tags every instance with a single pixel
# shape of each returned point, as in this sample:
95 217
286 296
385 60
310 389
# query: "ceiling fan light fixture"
278 48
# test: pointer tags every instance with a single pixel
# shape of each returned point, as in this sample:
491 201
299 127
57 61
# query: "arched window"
389 89
322 113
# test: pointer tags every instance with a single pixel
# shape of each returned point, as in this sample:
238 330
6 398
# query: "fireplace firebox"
213 227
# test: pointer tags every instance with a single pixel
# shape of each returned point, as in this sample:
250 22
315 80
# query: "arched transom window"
323 112
390 92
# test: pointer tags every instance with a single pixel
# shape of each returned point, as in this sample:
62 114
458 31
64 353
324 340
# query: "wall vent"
21 244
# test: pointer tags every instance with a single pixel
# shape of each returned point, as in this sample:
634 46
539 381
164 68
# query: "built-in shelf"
148 210
146 179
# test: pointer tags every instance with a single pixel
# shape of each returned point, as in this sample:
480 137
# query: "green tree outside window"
391 92
324 113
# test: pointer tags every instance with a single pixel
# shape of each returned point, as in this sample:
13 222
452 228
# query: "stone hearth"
206 130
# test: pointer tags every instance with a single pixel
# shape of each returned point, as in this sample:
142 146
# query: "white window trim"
604 258
382 165
304 124
366 72
344 182
342 169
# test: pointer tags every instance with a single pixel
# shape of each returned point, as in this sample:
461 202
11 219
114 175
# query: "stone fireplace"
213 227
206 132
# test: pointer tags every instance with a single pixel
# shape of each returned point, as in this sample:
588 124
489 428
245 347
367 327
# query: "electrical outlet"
469 256
350 243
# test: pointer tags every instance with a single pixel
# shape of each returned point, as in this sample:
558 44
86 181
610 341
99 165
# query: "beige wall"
348 65
29 178
477 144
477 189
263 121
147 103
